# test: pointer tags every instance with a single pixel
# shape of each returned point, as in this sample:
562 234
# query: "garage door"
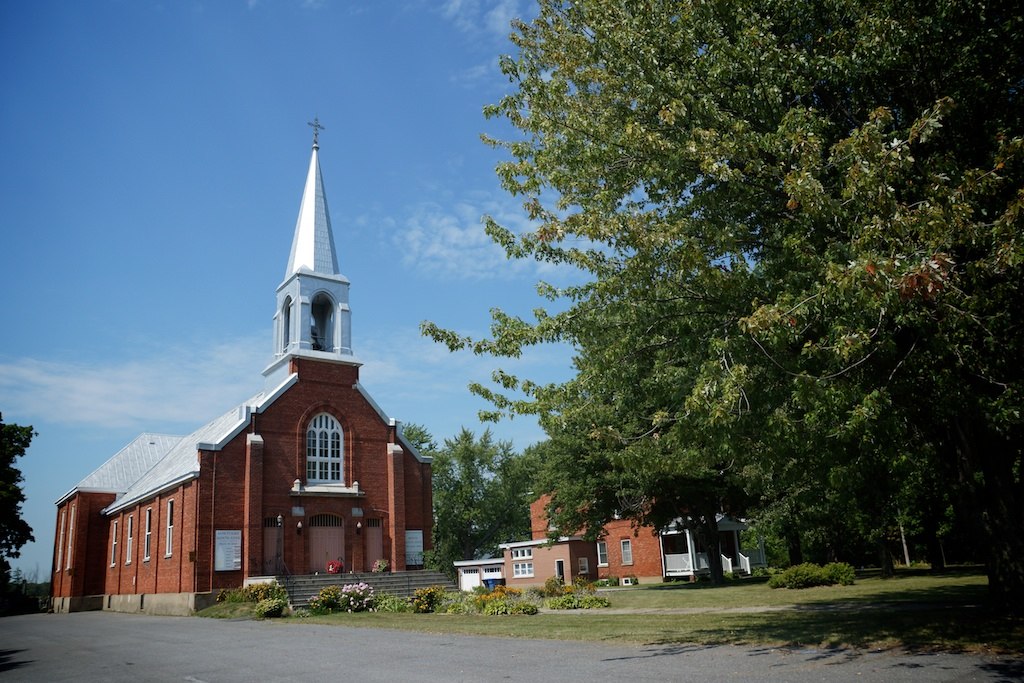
469 578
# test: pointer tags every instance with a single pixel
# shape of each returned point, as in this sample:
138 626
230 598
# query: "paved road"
102 646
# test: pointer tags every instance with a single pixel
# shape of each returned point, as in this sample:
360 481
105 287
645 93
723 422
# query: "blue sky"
152 157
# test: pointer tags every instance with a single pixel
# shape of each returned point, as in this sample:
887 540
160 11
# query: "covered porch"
683 555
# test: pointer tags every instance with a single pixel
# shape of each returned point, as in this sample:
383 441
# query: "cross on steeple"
315 124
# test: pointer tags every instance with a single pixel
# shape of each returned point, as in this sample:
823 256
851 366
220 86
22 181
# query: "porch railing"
678 564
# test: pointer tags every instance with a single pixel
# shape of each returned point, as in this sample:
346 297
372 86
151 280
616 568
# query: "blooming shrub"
353 597
807 575
499 593
270 608
258 592
554 587
427 599
379 566
356 597
334 566
326 601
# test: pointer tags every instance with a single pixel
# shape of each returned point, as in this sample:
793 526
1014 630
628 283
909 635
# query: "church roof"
313 244
180 462
126 466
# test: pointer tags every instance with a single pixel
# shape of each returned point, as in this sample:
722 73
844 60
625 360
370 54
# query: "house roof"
477 563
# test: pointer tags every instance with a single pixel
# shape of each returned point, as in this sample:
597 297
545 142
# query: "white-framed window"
522 553
602 554
627 551
149 534
492 570
584 565
169 538
71 538
129 538
60 542
522 569
113 543
324 449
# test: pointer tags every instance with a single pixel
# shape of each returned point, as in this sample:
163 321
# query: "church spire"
313 244
313 318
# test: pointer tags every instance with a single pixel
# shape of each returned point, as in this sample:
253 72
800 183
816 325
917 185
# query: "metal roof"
313 244
126 466
181 462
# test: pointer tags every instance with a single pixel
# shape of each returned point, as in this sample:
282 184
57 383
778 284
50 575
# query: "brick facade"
239 486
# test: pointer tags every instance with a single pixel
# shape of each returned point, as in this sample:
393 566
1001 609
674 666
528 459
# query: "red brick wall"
242 484
646 546
645 543
160 573
88 537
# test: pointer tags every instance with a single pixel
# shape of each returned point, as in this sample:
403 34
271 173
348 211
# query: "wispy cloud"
177 389
175 386
484 74
448 241
483 16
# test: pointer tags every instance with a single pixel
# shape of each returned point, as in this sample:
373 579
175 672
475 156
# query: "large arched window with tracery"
324 449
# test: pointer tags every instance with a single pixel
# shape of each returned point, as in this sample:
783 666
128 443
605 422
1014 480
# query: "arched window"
322 323
324 441
286 324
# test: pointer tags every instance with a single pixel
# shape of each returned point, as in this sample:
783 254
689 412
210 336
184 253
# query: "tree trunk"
714 545
796 554
1002 517
885 560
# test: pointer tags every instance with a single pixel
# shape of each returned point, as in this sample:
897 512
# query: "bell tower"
312 318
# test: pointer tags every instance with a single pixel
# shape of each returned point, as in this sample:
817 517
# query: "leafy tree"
419 438
801 224
14 531
482 492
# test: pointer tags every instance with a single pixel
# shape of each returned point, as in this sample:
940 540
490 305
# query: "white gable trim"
138 500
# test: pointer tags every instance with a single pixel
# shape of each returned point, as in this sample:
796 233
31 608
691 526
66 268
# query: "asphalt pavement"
104 646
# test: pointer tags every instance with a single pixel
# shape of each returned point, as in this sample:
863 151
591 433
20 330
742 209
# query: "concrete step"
403 584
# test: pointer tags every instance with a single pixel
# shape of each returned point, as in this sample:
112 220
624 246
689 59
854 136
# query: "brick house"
624 552
308 471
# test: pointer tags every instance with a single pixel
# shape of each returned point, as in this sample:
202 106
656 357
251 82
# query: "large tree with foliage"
482 493
14 531
802 225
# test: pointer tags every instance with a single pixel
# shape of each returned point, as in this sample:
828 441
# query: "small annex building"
624 553
308 471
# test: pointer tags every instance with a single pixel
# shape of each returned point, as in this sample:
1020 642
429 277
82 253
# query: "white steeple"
313 244
313 317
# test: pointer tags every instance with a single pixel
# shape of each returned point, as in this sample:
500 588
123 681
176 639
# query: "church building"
309 472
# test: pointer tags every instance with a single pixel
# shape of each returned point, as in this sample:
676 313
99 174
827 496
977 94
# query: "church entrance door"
326 541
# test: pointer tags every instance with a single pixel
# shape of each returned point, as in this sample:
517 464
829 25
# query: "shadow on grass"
923 629
950 596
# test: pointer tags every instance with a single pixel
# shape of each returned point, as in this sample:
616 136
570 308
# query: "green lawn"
913 611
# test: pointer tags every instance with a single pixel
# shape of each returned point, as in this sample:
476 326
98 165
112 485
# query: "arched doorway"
326 541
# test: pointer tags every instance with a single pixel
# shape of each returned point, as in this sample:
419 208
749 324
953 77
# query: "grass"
914 611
